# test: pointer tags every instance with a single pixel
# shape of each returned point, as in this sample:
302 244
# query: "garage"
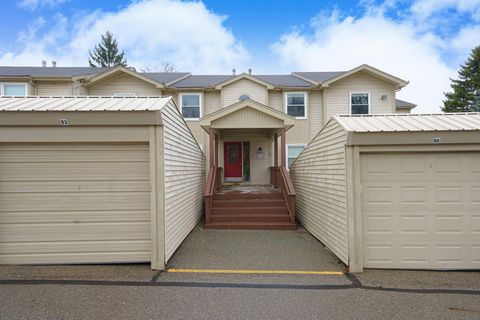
421 210
86 180
68 203
394 191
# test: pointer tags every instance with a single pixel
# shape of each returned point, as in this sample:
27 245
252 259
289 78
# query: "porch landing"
238 206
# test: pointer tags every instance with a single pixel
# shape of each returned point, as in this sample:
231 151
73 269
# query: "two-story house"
250 127
246 110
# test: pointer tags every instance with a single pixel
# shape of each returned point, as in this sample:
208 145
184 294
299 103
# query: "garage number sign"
64 122
436 140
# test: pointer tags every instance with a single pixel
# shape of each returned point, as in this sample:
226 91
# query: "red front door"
233 159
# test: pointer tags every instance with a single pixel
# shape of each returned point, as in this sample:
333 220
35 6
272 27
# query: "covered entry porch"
247 168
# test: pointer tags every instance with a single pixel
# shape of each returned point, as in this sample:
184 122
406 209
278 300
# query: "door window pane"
233 153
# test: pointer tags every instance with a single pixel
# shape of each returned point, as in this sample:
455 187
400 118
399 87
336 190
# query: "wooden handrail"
280 178
213 182
287 181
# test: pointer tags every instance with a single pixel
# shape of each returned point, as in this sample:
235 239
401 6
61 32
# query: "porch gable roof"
247 114
91 80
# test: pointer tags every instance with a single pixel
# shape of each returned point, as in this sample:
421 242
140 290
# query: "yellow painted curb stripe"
333 273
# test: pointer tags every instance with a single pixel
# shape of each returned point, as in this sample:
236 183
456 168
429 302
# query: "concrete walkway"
254 249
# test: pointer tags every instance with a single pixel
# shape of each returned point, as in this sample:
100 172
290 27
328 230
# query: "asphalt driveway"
137 292
254 249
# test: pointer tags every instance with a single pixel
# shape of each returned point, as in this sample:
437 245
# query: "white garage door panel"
67 203
421 210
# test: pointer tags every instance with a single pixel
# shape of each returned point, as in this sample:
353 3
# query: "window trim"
288 145
305 99
350 102
2 89
200 94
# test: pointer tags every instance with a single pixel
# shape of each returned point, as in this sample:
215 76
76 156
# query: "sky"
422 41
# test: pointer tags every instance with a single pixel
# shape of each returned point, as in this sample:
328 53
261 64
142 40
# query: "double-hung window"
13 89
293 150
359 103
191 104
296 104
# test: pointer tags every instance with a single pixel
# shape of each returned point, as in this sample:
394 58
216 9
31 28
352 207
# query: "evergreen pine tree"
106 53
465 95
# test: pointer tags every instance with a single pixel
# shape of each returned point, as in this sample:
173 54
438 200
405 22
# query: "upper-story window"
296 104
191 104
359 103
243 97
13 89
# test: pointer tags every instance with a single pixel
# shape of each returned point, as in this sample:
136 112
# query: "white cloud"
185 34
342 43
34 4
425 8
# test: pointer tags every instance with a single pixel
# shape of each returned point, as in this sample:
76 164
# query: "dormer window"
244 97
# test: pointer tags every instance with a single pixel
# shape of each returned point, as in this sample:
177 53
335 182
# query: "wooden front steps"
249 208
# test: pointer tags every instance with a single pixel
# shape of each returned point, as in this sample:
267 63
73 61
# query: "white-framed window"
293 150
191 105
124 94
296 104
11 89
359 102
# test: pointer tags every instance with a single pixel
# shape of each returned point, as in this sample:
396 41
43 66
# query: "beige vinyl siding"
403 111
31 89
275 100
259 167
79 89
231 92
212 102
174 95
54 88
299 133
315 113
184 179
338 94
319 179
74 203
247 118
123 83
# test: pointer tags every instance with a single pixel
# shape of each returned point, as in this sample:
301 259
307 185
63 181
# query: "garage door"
66 203
421 210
